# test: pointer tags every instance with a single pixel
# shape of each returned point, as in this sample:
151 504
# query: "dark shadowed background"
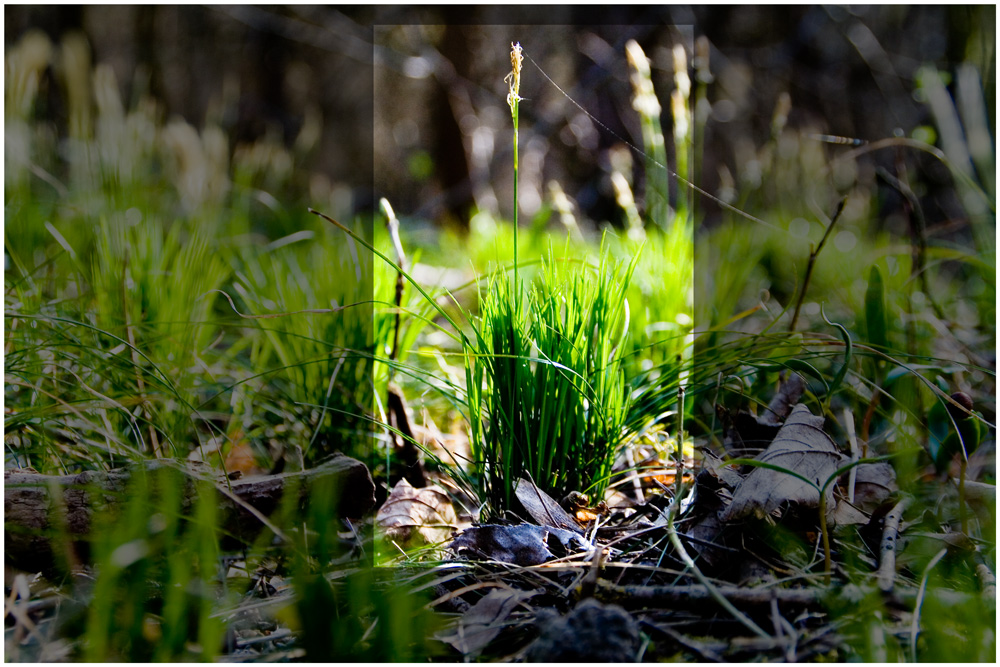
434 107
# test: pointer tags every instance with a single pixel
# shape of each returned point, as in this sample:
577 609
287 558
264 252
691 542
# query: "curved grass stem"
675 540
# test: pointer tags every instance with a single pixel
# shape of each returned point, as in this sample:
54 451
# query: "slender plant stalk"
812 261
679 477
682 553
514 100
393 225
963 515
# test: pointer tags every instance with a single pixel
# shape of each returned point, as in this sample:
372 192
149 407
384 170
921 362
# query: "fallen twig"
278 635
697 595
589 582
986 578
887 550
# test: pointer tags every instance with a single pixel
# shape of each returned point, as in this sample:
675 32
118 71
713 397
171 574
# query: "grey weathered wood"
46 515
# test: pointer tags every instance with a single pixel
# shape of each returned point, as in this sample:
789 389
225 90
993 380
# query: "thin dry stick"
467 589
887 557
394 396
813 254
963 515
869 414
986 578
784 631
876 639
825 532
636 484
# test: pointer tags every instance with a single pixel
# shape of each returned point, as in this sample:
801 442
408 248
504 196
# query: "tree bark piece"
41 510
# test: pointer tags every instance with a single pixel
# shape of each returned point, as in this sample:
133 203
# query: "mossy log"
48 518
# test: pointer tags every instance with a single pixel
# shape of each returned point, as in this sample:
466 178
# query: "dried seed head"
623 191
681 114
702 53
681 94
513 79
636 58
781 110
681 78
644 99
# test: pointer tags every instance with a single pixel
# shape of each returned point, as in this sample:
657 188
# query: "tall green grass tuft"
154 289
313 338
546 385
544 375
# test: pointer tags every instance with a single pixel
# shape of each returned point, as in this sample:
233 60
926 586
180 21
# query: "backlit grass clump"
545 378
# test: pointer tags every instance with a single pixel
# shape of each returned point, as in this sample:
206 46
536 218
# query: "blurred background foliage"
301 77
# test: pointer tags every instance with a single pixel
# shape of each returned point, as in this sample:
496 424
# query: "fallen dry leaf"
480 625
785 400
801 446
873 484
717 468
413 517
846 514
523 544
543 509
702 520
